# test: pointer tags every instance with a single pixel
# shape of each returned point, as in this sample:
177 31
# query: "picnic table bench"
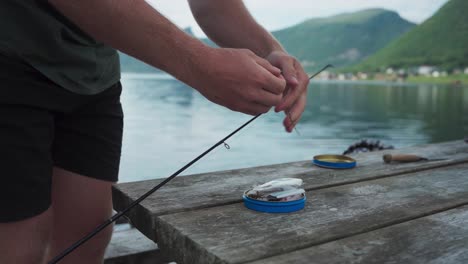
375 213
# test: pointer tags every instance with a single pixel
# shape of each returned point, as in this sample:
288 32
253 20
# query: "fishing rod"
321 70
114 218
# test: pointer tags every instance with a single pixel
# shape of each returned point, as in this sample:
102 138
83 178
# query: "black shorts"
43 125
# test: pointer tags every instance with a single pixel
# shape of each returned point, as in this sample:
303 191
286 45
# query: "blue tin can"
334 161
274 207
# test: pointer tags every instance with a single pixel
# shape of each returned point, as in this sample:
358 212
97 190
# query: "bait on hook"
114 218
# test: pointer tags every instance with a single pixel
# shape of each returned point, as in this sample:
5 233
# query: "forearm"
234 78
229 24
135 28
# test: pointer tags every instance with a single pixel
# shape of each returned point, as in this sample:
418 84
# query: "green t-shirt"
33 31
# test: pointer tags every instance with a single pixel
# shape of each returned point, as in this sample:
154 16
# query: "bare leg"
25 241
80 204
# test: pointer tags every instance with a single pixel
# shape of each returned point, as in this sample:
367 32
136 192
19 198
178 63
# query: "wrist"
198 65
189 61
276 51
271 47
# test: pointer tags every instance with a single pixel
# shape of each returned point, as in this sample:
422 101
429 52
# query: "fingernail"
294 80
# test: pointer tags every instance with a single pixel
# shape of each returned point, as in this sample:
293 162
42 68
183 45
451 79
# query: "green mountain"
441 41
343 39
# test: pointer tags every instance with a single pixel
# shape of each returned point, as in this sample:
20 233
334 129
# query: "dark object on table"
389 158
366 146
405 158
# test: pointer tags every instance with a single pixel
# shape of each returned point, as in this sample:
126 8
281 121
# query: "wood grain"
439 238
223 188
234 234
131 247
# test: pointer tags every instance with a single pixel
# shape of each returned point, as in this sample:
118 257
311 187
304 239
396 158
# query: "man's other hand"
295 95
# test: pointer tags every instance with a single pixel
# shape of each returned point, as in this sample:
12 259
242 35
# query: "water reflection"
167 124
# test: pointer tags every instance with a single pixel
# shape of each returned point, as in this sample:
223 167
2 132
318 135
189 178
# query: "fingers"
288 67
269 99
254 109
295 94
275 83
287 64
240 80
267 66
295 113
294 91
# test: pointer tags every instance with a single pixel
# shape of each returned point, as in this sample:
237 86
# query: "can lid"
334 161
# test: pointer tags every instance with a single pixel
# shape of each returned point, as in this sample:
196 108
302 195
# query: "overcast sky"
278 14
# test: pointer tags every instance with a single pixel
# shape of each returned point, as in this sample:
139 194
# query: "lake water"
167 124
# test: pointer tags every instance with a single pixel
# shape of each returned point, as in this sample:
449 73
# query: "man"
60 114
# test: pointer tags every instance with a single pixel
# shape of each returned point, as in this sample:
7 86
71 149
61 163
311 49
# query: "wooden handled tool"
389 158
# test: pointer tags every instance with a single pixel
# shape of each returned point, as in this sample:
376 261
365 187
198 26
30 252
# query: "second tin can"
334 161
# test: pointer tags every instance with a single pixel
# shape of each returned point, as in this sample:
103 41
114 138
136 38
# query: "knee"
31 255
91 251
95 248
25 241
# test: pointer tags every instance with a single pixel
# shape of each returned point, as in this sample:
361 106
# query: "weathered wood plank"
130 246
234 234
439 238
220 188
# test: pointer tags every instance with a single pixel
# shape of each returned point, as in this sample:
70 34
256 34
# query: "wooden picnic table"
374 213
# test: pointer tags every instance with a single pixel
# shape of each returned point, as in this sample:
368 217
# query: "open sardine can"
334 161
274 206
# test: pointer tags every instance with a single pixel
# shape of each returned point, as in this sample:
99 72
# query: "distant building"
402 75
362 76
325 75
466 70
425 70
350 76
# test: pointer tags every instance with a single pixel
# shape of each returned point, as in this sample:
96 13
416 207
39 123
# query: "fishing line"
114 218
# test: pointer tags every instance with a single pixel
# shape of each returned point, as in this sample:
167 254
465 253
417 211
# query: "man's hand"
229 24
239 80
295 95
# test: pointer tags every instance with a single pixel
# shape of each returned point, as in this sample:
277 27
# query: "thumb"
289 73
